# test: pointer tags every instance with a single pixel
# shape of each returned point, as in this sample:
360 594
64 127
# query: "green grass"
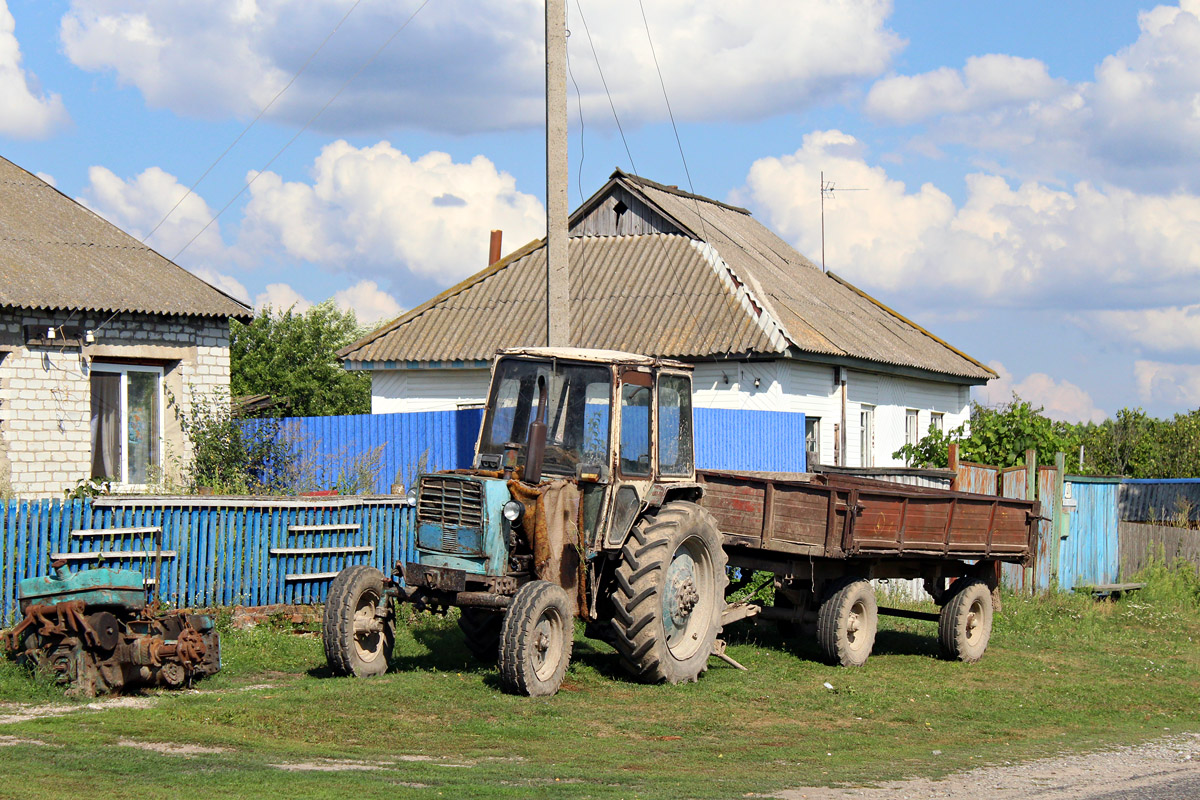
1062 673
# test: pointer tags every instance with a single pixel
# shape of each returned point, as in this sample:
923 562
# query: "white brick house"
101 339
658 271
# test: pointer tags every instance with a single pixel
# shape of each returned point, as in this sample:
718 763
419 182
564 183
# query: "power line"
305 127
253 122
579 106
604 82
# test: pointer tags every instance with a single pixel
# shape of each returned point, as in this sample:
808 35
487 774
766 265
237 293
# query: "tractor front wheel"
359 626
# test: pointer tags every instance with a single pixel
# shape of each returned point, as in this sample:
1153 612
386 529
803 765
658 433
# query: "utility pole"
558 297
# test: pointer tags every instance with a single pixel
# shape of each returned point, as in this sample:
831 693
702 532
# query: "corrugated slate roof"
644 294
735 288
56 254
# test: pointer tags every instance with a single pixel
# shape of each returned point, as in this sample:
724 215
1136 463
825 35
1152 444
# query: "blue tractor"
581 502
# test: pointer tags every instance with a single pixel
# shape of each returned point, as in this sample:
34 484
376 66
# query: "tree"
291 357
999 437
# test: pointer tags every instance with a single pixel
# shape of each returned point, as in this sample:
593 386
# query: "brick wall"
45 391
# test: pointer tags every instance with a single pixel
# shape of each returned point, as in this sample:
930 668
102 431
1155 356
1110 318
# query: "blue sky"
1028 170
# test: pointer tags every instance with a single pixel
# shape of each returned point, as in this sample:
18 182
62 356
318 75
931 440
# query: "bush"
227 457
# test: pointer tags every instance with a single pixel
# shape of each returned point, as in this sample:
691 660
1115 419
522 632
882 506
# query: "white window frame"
816 429
912 426
123 370
937 420
866 435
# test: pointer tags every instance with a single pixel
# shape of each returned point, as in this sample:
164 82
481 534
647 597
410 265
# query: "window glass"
812 440
635 429
866 434
937 421
106 425
576 413
674 425
911 433
126 429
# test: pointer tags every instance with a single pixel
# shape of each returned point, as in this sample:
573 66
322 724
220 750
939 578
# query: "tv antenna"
827 188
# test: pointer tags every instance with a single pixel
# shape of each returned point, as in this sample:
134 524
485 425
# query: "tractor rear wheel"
481 631
536 639
359 624
670 594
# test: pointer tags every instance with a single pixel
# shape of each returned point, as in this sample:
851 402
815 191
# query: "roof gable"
57 254
736 289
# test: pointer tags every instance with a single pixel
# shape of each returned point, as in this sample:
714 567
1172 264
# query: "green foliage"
1175 585
89 487
999 437
292 357
227 458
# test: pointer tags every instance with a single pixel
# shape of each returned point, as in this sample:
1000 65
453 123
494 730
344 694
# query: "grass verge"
1062 673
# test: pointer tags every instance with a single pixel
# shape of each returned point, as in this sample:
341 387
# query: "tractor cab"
574 444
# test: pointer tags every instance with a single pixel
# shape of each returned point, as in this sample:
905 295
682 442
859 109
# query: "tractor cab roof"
618 357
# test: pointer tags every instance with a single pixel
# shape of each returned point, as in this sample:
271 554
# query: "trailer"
584 502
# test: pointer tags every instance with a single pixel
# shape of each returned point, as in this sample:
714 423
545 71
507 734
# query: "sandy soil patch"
172 748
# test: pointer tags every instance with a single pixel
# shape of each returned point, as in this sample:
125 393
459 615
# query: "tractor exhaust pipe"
537 438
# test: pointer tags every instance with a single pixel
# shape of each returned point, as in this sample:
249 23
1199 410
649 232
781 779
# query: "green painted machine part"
94 632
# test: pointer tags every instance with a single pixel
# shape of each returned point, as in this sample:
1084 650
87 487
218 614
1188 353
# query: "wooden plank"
116 555
319 551
322 528
310 576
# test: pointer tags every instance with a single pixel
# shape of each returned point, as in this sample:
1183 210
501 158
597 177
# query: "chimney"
494 248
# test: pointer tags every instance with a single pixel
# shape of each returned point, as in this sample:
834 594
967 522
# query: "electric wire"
604 82
579 106
191 189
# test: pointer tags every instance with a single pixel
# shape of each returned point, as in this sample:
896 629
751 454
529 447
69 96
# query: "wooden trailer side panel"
836 516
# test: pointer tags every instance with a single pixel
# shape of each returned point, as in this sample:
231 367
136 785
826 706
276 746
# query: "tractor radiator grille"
450 502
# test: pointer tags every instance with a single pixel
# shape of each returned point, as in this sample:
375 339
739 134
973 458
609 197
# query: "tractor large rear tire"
670 594
536 639
358 632
481 631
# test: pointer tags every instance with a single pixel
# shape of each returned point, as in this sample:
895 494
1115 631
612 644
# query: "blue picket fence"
206 551
331 450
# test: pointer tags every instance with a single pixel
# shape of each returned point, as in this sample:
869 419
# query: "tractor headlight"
513 511
410 499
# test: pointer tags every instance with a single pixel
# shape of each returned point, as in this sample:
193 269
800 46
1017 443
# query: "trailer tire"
965 622
669 594
357 640
535 640
847 622
481 631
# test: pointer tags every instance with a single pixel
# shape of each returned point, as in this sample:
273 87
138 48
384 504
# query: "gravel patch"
1165 768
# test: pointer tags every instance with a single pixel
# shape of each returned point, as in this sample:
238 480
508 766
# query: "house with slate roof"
659 271
97 333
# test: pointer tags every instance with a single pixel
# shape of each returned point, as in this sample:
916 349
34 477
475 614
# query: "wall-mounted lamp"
89 337
51 333
756 382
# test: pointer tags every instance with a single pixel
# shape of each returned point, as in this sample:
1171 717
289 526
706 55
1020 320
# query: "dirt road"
1165 769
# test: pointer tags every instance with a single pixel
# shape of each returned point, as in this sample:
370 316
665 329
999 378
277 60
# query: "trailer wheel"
670 594
847 622
536 639
481 630
965 624
358 638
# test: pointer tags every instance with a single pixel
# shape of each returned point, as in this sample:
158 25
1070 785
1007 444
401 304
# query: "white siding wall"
792 386
395 390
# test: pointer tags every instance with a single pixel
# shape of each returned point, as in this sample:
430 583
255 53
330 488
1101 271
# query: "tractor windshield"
578 403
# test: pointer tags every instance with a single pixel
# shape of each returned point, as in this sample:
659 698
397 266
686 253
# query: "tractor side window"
674 425
635 430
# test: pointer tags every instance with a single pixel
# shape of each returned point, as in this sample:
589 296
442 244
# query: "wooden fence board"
1140 542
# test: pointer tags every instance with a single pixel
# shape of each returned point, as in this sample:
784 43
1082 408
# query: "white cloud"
985 82
25 112
137 205
369 303
281 297
1025 246
226 283
480 65
1164 330
377 210
47 177
1168 384
1137 123
1061 400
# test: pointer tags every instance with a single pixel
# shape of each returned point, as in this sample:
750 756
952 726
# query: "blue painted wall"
765 441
